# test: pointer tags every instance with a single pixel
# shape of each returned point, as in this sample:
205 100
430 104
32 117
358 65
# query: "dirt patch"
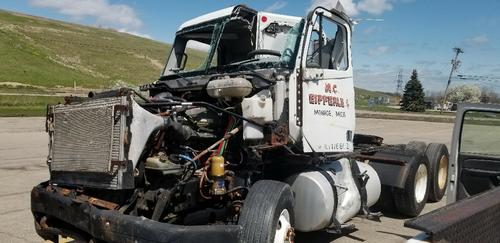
154 62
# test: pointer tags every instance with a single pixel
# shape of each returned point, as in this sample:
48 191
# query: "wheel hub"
284 229
443 172
420 183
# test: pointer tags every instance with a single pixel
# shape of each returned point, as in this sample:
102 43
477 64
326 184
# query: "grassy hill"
39 56
49 53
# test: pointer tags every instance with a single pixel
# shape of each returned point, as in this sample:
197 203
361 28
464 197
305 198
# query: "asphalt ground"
23 151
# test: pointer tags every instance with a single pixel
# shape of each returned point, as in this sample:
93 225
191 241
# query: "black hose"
141 96
203 104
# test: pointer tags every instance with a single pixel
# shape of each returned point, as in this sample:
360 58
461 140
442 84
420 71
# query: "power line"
480 78
455 64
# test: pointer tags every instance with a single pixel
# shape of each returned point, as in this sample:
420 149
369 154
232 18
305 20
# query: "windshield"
191 49
229 42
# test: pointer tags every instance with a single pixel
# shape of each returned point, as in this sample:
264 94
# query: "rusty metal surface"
381 159
278 134
475 219
78 196
112 226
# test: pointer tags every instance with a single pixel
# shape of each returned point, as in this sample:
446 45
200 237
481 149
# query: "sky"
391 35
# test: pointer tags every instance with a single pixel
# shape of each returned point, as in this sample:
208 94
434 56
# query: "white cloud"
276 6
379 50
376 7
354 8
105 13
481 39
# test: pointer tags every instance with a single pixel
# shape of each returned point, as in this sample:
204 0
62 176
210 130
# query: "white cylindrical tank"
316 201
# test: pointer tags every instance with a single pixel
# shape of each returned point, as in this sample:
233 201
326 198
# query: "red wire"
227 128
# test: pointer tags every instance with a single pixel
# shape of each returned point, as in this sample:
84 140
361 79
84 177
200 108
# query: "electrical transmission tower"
399 83
455 64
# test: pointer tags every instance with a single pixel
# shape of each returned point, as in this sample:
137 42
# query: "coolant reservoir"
258 108
229 87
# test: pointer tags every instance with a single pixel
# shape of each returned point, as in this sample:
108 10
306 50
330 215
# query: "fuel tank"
317 201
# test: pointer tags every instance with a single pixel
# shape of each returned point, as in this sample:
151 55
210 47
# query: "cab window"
327 47
479 131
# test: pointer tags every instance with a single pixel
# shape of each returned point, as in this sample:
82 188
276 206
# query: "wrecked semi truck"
247 136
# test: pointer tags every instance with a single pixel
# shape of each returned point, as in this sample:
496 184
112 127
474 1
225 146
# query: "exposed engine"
176 158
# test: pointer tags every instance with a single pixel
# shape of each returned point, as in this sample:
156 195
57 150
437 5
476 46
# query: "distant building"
379 100
449 106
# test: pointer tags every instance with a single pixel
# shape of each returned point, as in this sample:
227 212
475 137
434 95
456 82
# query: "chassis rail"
112 226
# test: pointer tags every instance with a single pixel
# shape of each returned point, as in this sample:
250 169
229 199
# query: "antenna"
455 64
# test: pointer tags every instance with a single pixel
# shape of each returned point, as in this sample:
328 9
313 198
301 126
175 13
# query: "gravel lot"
23 149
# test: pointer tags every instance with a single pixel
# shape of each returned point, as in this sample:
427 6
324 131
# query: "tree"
465 93
488 96
413 96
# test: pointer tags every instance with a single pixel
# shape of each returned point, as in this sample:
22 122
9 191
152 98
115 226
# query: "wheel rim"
420 183
284 229
443 172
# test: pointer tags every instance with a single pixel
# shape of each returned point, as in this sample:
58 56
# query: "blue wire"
189 159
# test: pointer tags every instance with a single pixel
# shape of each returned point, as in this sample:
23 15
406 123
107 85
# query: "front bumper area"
111 226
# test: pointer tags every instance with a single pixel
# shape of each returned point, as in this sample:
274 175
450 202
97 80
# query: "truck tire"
267 213
438 156
416 146
411 200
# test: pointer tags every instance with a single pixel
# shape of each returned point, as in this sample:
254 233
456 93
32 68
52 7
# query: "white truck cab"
318 48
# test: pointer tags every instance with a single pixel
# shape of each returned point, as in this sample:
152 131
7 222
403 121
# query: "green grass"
46 55
19 105
25 111
49 53
382 108
21 100
22 90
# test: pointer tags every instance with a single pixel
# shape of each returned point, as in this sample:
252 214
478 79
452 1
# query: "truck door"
475 154
328 115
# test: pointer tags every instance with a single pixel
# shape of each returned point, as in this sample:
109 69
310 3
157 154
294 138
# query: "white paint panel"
328 102
328 114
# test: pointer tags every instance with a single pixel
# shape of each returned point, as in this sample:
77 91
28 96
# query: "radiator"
87 143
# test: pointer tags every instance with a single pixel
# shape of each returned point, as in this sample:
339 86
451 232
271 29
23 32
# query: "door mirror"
183 64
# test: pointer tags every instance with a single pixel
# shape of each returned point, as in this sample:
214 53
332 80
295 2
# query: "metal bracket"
119 164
